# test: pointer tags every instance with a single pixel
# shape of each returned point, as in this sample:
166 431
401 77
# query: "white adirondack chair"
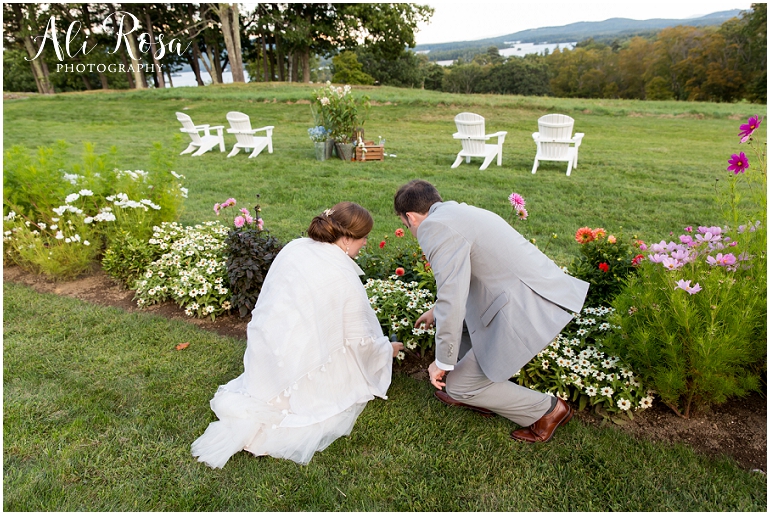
554 141
240 125
470 132
201 143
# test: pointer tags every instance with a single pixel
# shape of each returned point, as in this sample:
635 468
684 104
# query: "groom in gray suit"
513 299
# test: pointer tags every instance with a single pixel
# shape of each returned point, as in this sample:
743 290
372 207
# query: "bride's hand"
397 347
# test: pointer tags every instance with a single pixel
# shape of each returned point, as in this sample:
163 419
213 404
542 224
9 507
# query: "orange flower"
611 239
399 232
400 271
584 235
599 233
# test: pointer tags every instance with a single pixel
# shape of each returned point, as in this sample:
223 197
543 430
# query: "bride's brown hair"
344 219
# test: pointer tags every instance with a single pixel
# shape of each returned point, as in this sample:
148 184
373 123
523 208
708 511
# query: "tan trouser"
467 383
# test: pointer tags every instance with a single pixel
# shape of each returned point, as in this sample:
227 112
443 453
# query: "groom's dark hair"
415 196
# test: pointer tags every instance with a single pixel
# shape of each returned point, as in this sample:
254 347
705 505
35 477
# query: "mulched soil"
737 429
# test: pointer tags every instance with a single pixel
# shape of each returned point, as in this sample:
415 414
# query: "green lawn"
100 410
649 167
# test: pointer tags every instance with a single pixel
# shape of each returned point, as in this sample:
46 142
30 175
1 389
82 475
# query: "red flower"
400 271
638 259
382 244
604 267
584 235
599 233
399 232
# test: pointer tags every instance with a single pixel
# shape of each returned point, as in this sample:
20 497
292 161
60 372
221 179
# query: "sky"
478 19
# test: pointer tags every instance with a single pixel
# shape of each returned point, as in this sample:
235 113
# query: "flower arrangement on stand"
694 317
336 108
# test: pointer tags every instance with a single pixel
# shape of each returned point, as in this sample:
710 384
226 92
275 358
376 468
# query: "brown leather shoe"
543 429
446 399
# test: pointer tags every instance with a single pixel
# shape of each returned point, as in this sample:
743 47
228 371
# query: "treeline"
721 64
369 44
273 42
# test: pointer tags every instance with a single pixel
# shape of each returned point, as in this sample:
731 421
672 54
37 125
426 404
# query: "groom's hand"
427 319
436 375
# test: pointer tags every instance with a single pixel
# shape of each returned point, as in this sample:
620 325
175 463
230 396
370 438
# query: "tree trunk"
153 49
136 62
195 63
264 57
42 79
279 58
305 65
291 72
123 57
229 18
272 62
170 82
217 63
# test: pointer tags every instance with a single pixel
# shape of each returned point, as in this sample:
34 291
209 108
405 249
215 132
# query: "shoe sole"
481 411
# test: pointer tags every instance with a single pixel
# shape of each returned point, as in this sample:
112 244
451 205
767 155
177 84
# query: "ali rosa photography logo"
124 26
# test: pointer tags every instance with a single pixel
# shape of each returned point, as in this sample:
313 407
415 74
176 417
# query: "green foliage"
192 271
250 252
401 256
577 367
127 257
17 74
347 70
605 261
95 201
398 305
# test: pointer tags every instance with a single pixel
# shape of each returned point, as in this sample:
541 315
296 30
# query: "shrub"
605 261
402 257
127 258
694 319
192 272
398 305
250 252
339 111
89 204
576 366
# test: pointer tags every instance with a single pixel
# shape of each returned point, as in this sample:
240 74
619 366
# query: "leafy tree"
347 70
17 75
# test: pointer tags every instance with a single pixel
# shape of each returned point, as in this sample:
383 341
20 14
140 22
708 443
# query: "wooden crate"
373 152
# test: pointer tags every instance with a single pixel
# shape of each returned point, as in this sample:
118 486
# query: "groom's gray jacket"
514 299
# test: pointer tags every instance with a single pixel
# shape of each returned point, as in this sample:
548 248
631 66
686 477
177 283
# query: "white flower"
581 332
72 197
607 391
400 356
59 235
86 193
545 365
646 402
624 404
591 391
86 243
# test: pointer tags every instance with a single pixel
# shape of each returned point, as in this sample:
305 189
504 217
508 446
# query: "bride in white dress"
315 355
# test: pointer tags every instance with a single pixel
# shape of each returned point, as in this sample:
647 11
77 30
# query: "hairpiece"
328 212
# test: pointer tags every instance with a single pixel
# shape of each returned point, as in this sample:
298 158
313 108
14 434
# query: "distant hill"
614 27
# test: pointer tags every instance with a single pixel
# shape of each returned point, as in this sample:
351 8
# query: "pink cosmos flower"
748 128
522 213
738 163
239 221
657 257
671 263
681 255
688 228
516 200
642 246
721 260
685 285
686 239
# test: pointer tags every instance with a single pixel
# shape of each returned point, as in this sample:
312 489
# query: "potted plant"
337 109
319 135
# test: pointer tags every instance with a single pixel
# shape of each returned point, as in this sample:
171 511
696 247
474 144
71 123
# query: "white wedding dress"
315 356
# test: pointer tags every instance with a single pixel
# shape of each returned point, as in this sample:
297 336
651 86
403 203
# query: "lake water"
184 79
522 49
